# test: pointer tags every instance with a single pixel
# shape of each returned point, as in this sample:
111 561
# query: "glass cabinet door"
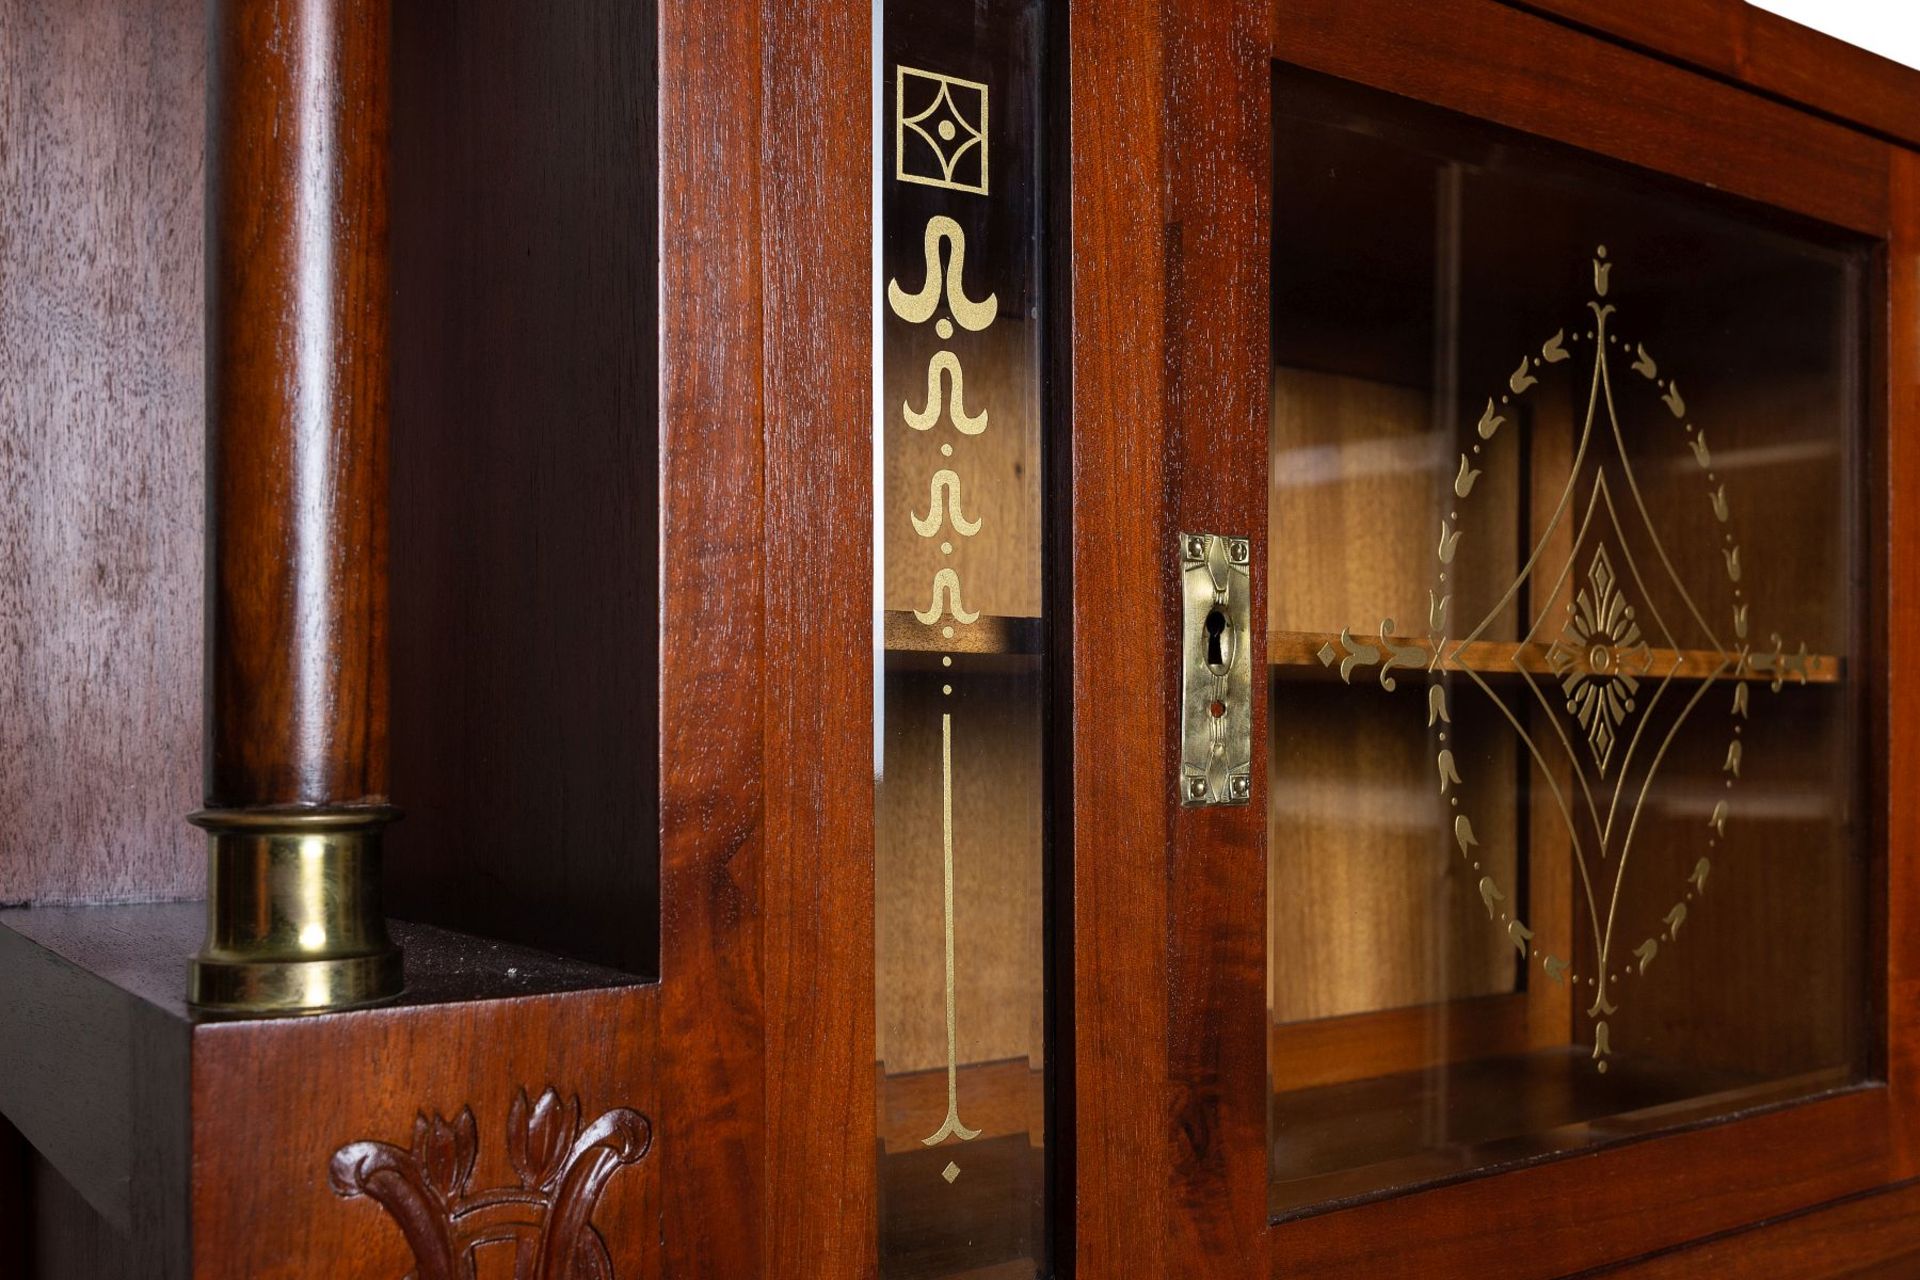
961 679
1565 600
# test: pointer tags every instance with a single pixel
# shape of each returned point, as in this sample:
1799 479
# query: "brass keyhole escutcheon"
1217 659
1216 756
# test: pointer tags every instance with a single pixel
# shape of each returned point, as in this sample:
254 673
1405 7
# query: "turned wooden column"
297 302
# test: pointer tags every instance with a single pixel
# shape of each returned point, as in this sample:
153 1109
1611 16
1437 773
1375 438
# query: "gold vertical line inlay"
952 1125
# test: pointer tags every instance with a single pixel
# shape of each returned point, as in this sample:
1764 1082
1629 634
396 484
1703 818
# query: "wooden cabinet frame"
752 1054
1169 330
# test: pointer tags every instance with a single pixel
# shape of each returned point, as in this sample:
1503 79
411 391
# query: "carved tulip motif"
446 1152
426 1188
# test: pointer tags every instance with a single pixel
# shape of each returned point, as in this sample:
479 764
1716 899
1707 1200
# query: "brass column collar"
294 920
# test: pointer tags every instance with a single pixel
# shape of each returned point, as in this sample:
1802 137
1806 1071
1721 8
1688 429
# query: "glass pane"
960 799
1564 606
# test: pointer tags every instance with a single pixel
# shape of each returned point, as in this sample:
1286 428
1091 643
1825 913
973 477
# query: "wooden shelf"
990 634
1303 652
1340 1144
987 1217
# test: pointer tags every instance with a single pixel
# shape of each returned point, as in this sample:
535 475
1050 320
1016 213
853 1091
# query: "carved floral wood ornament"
1605 670
546 1220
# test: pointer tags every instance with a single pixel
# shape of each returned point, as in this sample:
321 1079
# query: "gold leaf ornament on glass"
1602 679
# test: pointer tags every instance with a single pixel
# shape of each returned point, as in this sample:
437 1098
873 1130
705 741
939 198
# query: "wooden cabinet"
1472 986
1107 638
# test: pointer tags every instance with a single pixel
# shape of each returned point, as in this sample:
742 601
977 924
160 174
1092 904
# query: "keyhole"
1216 628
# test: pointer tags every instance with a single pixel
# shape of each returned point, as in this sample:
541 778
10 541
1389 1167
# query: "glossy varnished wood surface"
297 309
102 124
1171 1137
1169 393
1869 1237
1118 479
1634 1199
1543 77
1764 51
264 1137
818 879
525 599
1218 155
712 781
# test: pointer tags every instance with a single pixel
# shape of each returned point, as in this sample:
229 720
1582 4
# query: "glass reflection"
959 809
1564 538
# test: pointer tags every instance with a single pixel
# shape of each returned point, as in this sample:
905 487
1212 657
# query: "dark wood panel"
525 473
1529 73
819 878
712 693
16 1180
67 1074
95 1078
1732 39
297 306
102 124
68 1240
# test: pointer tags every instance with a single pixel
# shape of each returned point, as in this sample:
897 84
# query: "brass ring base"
294 986
294 922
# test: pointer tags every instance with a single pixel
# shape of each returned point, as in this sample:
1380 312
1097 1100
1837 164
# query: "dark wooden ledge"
116 1082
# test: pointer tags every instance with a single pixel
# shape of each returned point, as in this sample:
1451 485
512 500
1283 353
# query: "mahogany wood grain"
1122 683
1875 1236
713 1145
1157 308
525 559
818 874
1169 386
1217 95
297 402
1539 76
1898 718
102 128
265 1135
1763 51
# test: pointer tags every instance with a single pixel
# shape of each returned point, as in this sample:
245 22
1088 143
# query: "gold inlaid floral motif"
1610 659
